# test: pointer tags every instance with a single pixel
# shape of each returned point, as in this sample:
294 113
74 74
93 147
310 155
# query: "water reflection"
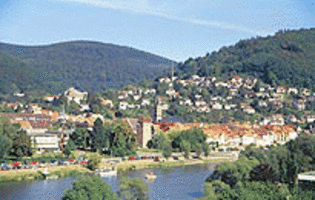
184 182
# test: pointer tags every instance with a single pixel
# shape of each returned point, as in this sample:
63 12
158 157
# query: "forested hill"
287 58
86 65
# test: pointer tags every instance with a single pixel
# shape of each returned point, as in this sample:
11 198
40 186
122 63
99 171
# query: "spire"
172 70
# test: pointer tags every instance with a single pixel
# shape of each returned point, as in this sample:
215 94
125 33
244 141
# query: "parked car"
5 166
64 162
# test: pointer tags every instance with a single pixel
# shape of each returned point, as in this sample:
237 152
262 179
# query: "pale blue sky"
175 29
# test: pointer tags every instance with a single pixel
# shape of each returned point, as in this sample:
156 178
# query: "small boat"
106 172
150 176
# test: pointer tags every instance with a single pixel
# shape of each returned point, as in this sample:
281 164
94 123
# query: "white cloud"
142 7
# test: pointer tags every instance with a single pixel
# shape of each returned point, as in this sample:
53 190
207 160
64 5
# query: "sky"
175 29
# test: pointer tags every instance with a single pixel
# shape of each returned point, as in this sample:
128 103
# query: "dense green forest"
90 66
287 58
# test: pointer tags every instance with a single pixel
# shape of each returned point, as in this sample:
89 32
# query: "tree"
94 162
22 145
186 147
133 189
89 188
8 133
79 137
206 149
264 172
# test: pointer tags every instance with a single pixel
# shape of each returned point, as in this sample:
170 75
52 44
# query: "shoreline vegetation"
77 170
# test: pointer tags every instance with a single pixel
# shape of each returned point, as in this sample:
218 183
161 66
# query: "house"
195 77
122 95
217 105
280 90
165 80
186 102
149 91
170 91
250 94
250 83
229 106
136 97
293 91
277 120
106 102
45 141
310 99
262 103
19 94
51 98
292 118
305 92
123 105
203 109
299 104
145 102
233 91
237 81
84 107
249 110
198 96
14 105
310 118
221 83
229 98
75 95
277 104
199 103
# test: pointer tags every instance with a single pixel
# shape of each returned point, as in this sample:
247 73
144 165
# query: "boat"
150 176
105 172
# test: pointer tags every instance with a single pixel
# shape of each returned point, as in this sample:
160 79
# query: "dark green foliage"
133 189
79 137
13 141
286 58
70 146
265 173
113 138
87 65
22 145
89 188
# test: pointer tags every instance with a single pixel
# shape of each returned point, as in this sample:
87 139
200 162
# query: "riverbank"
30 174
126 166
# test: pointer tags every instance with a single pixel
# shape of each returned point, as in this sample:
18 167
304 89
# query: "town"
51 130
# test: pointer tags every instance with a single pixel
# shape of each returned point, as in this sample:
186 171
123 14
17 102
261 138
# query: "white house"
186 102
149 91
145 102
249 110
305 92
262 103
122 95
199 103
216 105
299 104
170 91
75 95
45 142
293 91
123 105
310 118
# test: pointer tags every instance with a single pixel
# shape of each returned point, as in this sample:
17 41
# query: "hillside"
87 65
288 58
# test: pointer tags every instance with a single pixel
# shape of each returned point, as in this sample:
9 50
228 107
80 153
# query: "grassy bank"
28 174
134 165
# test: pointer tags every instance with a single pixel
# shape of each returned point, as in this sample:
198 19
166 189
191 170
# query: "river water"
184 182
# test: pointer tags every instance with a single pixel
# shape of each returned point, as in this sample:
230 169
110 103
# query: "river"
184 182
